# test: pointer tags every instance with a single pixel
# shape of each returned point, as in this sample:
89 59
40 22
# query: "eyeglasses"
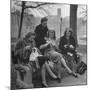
68 31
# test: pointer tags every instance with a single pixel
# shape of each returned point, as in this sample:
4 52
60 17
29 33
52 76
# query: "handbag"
82 67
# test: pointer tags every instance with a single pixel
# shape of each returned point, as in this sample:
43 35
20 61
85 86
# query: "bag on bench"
82 67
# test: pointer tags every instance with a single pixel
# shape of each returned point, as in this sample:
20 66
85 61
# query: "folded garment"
34 54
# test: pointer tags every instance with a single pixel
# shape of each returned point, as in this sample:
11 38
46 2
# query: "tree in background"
26 5
83 13
21 20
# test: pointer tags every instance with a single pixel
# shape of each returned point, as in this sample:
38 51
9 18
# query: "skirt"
41 61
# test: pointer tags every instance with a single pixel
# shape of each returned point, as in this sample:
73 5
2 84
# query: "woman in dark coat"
68 44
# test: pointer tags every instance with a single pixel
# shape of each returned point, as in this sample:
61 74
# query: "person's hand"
65 46
48 43
24 67
46 38
71 46
70 54
27 47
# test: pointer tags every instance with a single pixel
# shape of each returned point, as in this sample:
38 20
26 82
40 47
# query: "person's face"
68 33
32 37
44 24
30 40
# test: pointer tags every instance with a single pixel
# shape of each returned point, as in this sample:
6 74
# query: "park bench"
28 78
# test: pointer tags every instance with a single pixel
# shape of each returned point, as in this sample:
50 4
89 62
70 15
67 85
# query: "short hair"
44 19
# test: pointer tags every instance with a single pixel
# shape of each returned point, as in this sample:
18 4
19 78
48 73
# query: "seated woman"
23 50
67 44
57 58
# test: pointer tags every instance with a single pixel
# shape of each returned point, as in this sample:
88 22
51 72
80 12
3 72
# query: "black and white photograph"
48 44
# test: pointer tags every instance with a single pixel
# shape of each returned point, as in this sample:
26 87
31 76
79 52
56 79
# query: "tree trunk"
21 20
73 20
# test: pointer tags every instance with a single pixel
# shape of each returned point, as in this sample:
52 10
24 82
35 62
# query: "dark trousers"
42 60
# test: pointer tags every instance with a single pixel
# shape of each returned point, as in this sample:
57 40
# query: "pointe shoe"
44 85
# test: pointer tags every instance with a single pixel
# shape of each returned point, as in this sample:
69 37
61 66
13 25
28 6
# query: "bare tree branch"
38 5
44 10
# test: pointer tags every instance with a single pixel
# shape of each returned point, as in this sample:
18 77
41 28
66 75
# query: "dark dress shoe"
44 85
74 74
59 80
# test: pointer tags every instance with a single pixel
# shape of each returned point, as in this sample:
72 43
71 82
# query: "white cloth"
34 54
